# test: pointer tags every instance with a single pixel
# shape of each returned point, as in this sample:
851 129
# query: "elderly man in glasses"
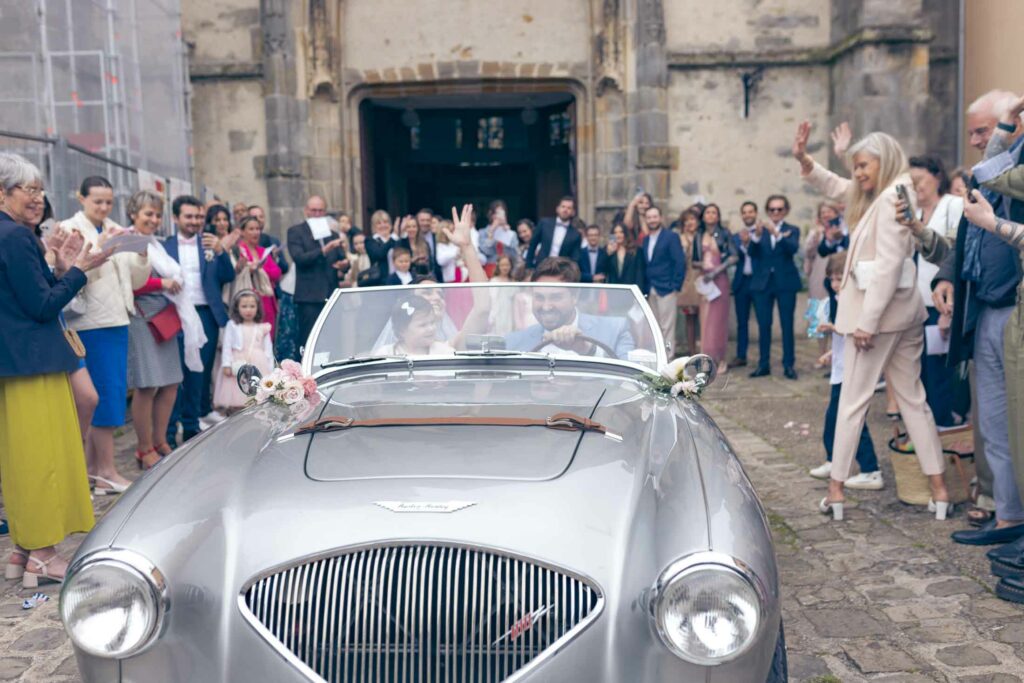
775 281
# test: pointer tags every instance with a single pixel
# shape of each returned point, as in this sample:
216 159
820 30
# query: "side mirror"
702 368
248 378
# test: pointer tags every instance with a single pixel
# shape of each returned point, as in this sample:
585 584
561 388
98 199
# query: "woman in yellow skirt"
42 465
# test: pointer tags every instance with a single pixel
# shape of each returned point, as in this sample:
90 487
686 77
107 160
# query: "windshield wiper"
356 360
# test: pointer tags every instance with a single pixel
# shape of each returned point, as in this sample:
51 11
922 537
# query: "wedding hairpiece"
408 308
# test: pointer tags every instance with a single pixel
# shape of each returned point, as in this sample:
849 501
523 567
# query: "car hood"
451 452
615 511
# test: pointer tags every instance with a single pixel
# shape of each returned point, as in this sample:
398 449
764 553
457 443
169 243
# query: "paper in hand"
320 228
128 242
709 290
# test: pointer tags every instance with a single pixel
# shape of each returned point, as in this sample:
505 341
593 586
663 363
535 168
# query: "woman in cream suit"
879 308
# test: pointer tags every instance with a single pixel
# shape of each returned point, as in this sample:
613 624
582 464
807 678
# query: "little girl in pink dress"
246 342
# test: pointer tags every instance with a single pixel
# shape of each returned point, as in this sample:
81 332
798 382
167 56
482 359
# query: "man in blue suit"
665 263
206 268
562 325
775 281
741 282
593 257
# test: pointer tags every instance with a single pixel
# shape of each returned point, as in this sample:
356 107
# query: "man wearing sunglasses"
775 281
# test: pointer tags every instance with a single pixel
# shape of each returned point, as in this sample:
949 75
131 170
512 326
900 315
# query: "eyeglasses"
776 209
33 192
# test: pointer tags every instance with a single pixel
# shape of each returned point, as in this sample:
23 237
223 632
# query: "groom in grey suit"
562 325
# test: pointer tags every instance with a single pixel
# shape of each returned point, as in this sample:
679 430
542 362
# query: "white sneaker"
214 417
872 481
822 471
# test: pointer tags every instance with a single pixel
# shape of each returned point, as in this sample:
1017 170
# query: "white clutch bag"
864 274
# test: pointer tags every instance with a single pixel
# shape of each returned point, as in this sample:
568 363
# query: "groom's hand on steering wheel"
569 337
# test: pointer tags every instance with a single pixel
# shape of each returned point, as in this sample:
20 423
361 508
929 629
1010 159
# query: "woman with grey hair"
154 367
879 309
42 466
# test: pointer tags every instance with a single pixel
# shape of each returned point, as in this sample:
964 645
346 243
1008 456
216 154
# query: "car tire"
779 673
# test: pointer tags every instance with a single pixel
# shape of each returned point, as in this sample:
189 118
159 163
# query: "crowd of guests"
908 271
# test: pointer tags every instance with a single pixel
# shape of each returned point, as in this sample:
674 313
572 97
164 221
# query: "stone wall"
229 137
727 159
658 85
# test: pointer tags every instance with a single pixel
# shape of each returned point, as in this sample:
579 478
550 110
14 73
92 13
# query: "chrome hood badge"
424 506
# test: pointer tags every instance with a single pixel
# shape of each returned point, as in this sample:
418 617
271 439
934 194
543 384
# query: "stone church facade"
685 99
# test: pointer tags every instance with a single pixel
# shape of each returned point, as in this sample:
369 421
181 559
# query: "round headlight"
112 604
707 613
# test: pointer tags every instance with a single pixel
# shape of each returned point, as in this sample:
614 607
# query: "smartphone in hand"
901 192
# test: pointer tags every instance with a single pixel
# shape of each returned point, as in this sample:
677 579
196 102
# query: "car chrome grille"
420 613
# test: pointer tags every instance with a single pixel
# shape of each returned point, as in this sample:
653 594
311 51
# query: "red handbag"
166 324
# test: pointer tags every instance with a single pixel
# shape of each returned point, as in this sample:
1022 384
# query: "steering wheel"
601 345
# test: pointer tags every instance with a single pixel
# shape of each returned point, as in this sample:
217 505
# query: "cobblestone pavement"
883 596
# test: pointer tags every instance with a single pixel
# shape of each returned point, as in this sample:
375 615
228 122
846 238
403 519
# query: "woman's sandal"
31 578
111 488
147 459
15 569
827 507
163 449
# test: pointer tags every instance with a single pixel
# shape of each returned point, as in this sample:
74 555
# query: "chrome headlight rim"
137 564
699 562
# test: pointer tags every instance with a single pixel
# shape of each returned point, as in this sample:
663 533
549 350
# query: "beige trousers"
899 355
665 312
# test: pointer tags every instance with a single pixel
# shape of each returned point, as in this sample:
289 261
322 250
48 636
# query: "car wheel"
779 672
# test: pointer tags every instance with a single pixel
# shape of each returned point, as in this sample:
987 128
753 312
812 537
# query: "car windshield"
598 321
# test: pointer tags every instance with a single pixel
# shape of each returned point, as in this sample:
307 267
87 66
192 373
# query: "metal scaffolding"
107 79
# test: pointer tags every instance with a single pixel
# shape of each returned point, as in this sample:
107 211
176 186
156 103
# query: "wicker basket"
912 484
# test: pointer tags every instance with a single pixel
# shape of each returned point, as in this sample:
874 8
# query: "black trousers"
743 300
764 304
308 313
195 395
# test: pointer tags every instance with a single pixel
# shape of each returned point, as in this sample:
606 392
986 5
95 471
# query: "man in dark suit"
206 268
593 259
741 282
775 281
315 274
665 266
555 236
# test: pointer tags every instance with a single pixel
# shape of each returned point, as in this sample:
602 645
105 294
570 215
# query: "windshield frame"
660 351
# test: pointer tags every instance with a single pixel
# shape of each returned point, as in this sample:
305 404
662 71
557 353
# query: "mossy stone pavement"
883 596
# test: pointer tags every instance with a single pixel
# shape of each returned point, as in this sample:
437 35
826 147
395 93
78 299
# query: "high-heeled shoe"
836 509
36 570
111 488
147 459
14 569
941 508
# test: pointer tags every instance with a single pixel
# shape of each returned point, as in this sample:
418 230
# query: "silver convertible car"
497 485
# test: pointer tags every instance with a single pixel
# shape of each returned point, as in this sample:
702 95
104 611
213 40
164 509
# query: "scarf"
191 326
972 244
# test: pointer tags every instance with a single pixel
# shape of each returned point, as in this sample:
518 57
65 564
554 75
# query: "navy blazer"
739 280
215 274
584 262
544 235
666 271
31 298
774 268
632 272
